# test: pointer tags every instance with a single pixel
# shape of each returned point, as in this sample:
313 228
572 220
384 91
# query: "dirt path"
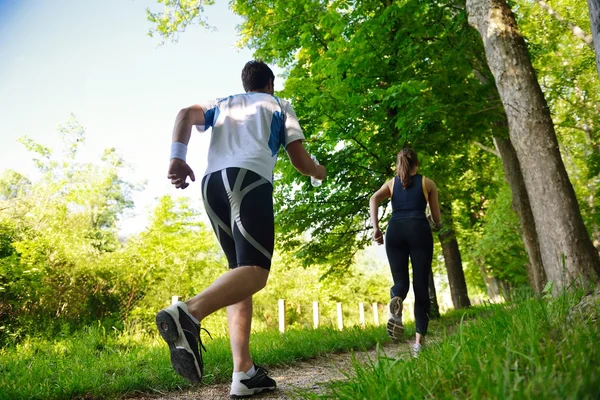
311 375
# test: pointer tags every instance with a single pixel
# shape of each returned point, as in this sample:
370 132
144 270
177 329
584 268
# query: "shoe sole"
182 358
395 330
254 391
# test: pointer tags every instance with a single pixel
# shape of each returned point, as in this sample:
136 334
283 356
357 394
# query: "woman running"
408 234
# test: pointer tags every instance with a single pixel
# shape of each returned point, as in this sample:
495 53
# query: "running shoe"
244 386
179 329
395 328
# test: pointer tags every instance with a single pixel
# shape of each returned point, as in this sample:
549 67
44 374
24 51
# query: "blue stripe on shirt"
210 117
276 136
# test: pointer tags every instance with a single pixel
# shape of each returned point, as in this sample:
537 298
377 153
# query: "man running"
237 188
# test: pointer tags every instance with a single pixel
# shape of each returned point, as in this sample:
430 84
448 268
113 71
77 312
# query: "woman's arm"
434 205
380 195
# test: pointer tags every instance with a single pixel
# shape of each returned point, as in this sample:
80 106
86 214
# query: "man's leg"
230 288
239 204
239 320
248 379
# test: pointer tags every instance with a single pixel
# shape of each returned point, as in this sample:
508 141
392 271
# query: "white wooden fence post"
281 315
340 316
315 314
361 313
174 299
375 314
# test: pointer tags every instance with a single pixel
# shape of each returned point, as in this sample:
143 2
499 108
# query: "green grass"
100 364
535 349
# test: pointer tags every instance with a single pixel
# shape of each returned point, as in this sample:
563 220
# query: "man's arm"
179 170
185 121
302 161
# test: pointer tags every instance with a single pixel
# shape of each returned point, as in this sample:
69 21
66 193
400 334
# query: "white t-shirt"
248 130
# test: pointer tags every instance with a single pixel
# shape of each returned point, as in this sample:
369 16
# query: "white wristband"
178 150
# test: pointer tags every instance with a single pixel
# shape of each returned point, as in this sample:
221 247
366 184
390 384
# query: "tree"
565 65
522 206
12 185
61 224
435 307
563 236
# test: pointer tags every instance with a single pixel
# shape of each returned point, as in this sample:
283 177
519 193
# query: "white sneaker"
243 386
417 349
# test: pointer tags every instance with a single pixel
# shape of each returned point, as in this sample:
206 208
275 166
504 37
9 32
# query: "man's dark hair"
256 75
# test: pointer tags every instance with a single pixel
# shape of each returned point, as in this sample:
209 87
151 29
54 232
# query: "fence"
316 315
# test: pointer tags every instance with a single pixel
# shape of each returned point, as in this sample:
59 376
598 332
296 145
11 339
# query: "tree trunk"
435 308
562 235
594 7
456 275
491 284
520 203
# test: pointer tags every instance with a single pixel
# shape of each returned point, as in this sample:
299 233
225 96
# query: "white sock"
242 375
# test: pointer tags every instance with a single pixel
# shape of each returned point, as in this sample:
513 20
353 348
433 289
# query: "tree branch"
488 149
576 30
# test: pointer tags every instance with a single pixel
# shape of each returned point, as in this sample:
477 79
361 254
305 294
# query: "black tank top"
409 202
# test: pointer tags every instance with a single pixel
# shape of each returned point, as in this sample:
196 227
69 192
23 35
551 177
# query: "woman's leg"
396 249
421 254
397 253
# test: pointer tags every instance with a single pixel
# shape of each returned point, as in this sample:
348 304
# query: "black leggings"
404 238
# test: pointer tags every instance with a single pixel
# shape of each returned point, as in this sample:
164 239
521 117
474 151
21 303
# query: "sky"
94 59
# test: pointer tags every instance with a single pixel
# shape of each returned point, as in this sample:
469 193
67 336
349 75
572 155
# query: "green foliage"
175 255
62 264
494 243
500 247
176 16
58 228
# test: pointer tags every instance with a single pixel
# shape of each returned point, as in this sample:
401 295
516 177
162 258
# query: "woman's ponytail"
405 162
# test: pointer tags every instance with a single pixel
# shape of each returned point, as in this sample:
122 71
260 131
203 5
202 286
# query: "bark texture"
565 246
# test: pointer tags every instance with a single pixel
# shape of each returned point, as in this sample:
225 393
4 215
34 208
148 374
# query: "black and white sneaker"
244 386
182 334
395 328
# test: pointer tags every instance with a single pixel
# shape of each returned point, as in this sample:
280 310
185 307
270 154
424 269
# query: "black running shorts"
239 203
